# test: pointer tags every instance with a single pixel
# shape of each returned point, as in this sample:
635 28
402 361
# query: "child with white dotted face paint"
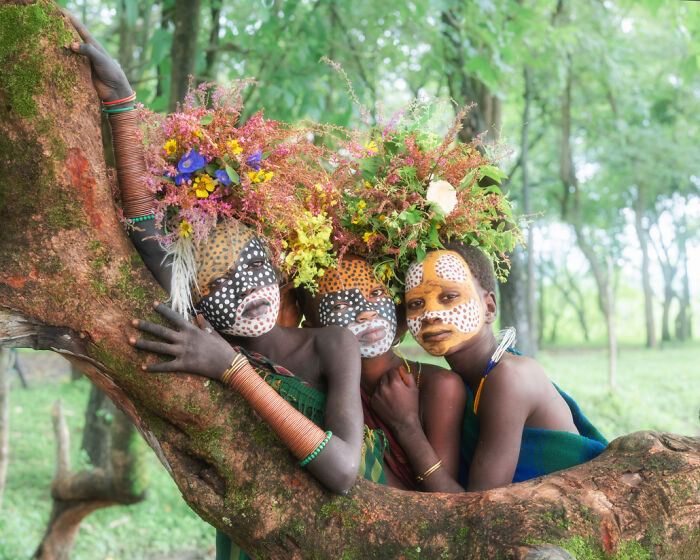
443 307
351 297
417 406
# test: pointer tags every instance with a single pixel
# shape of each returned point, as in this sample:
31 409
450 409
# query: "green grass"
160 526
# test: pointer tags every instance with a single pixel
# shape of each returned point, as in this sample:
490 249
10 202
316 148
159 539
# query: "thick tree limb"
69 281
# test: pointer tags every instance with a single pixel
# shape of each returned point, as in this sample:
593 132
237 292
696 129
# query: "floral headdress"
416 191
203 166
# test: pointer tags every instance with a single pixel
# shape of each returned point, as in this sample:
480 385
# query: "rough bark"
72 284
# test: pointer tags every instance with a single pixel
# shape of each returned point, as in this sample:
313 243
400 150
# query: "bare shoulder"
336 346
515 379
443 382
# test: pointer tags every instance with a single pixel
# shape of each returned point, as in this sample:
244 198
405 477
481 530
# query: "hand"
107 76
197 348
395 400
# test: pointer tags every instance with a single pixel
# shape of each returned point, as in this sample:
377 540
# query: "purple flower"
254 160
190 162
222 176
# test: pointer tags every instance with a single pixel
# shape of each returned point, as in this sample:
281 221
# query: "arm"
397 404
200 349
337 465
503 410
111 84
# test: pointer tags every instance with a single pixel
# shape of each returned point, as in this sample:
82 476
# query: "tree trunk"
97 434
183 53
513 303
602 275
643 237
77 494
57 291
6 358
684 320
531 284
212 50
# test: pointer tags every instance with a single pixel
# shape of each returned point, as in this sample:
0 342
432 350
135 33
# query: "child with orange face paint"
519 425
418 406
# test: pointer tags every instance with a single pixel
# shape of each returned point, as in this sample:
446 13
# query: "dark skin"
516 394
426 422
198 348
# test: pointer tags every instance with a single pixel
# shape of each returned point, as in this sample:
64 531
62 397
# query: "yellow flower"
170 146
234 147
260 176
368 185
361 204
382 217
185 228
269 175
203 186
355 220
371 146
198 133
368 236
438 226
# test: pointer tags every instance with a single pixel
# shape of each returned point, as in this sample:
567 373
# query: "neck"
263 344
471 360
374 368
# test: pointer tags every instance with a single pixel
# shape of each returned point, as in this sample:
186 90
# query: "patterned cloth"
541 451
312 404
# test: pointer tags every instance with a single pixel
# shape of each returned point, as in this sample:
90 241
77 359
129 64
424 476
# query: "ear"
490 307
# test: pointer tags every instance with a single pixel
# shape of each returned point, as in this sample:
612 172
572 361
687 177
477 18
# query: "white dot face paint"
246 301
443 308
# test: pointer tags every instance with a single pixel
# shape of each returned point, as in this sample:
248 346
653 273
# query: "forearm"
323 454
423 458
137 199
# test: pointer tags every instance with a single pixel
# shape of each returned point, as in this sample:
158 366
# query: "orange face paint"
443 307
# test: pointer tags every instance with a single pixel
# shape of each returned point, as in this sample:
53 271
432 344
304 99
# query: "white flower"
443 195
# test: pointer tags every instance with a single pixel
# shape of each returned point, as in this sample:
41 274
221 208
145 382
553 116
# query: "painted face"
351 297
243 300
443 308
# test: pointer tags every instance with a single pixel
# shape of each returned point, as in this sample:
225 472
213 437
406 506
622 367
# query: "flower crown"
416 191
204 167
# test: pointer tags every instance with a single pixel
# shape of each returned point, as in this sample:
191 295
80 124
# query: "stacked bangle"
431 470
143 218
318 450
119 110
238 362
129 97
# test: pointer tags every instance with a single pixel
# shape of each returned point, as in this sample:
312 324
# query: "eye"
256 263
377 292
414 304
449 296
340 307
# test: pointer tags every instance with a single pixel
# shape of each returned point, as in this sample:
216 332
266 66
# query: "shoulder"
515 381
336 345
443 382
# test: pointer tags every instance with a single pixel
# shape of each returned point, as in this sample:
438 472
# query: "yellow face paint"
443 307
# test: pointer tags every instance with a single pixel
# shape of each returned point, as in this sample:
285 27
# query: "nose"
366 315
250 290
430 318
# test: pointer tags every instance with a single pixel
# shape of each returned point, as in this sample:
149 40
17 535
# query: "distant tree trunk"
668 271
97 433
684 319
126 42
165 18
77 494
601 273
6 359
540 309
643 237
640 492
513 303
212 49
183 53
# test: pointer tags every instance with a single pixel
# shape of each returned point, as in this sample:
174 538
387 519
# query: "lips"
371 335
255 309
436 335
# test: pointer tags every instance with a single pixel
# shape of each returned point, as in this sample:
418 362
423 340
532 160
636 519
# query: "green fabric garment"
312 404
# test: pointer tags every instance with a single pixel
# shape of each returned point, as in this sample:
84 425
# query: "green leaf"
420 253
231 172
265 154
492 172
369 167
206 119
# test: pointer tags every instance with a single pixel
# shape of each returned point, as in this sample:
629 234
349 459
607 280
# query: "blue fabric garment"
541 451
